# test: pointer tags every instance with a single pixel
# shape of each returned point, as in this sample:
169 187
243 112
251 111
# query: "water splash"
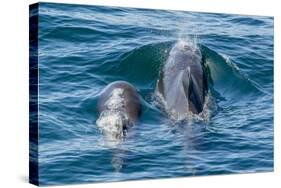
112 120
210 107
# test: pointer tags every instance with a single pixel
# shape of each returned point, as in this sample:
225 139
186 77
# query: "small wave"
141 65
228 81
247 21
79 34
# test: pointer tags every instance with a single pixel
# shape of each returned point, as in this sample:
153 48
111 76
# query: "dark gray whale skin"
182 83
130 96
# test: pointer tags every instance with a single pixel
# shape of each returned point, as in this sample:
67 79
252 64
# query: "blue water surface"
84 48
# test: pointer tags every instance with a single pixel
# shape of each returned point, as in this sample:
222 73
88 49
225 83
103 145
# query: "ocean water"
84 48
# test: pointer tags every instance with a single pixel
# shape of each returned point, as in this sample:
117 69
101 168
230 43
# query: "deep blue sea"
84 48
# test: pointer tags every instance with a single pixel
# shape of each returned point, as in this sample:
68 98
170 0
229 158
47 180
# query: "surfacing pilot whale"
119 107
182 85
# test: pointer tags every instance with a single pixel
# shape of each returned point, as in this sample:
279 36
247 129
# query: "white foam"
115 101
111 124
111 121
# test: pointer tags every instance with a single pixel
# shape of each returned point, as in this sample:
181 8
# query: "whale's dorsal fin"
191 90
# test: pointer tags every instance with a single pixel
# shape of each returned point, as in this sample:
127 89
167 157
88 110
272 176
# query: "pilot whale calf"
182 84
119 107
